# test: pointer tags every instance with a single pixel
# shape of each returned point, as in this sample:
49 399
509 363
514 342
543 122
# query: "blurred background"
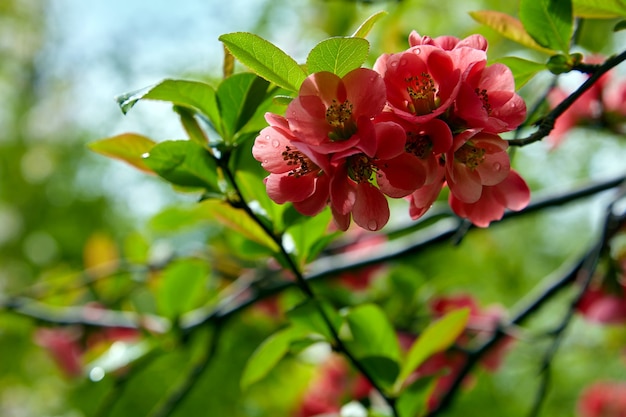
61 65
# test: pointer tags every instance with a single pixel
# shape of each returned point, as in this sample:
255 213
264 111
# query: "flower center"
422 92
339 117
484 97
470 155
301 163
360 168
418 144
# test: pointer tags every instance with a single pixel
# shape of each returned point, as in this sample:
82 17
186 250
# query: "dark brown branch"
547 122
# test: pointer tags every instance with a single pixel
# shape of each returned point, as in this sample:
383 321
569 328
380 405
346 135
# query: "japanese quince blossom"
421 119
603 399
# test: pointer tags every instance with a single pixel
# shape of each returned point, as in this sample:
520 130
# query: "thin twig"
547 122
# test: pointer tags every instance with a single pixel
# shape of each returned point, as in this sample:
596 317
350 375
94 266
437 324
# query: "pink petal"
494 168
391 140
464 183
282 187
401 176
342 191
366 91
371 209
316 202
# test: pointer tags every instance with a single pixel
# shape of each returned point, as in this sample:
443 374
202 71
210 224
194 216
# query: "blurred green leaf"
509 27
599 9
237 220
184 163
310 234
369 23
128 147
181 286
371 333
338 55
549 22
621 25
306 315
269 353
523 69
437 337
238 98
195 95
265 59
412 402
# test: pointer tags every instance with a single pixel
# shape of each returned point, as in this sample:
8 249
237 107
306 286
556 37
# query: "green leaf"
437 337
509 27
269 353
599 9
191 126
371 333
549 22
237 220
265 59
523 69
128 147
308 232
382 369
338 55
181 287
238 98
307 315
414 398
195 95
184 163
369 23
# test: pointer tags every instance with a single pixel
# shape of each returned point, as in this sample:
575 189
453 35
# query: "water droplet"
497 166
417 51
265 162
403 61
394 63
372 225
275 143
267 137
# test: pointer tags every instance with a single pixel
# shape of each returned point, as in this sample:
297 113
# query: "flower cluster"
421 119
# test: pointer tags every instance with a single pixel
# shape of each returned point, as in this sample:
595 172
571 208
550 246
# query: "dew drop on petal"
417 51
497 166
372 225
403 62
265 162
275 143
267 137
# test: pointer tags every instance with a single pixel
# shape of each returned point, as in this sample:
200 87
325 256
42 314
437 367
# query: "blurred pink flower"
603 399
63 344
600 305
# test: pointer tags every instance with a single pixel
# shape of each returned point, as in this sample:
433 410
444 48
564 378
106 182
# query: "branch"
585 265
547 122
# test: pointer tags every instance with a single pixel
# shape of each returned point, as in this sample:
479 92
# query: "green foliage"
548 22
523 69
238 97
265 59
438 336
368 24
184 163
195 95
128 147
509 27
599 9
182 285
338 55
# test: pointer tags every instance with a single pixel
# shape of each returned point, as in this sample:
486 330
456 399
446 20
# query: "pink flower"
449 42
512 193
599 304
333 114
487 99
64 347
295 172
603 399
421 82
352 187
581 112
423 198
475 160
